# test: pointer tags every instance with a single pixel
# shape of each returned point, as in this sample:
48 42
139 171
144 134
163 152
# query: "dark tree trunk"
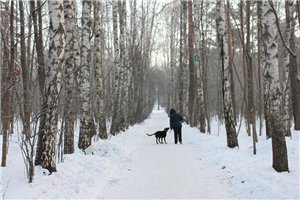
192 70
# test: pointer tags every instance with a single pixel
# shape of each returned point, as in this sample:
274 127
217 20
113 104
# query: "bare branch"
280 34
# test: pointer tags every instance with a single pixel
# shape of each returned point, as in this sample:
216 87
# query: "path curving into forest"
165 171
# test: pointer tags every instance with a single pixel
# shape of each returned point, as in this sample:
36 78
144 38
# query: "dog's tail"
150 134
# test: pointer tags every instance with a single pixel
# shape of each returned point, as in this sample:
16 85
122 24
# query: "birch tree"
259 61
124 70
251 112
192 69
280 161
172 61
117 93
27 141
38 36
201 26
53 84
25 77
132 61
86 120
6 77
98 65
294 72
286 82
226 77
69 76
182 59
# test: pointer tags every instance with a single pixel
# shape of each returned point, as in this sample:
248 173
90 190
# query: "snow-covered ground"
132 165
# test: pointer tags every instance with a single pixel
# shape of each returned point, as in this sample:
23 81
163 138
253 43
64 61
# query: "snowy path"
166 171
131 165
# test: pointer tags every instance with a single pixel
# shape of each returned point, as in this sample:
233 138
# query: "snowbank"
85 176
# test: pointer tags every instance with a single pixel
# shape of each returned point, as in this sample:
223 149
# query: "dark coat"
175 119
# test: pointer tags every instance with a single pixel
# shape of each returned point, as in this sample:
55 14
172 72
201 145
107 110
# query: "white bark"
199 69
124 71
86 120
52 84
227 94
69 77
286 80
98 65
117 93
280 162
185 59
182 74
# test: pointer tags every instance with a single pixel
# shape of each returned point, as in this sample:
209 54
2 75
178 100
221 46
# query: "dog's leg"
165 140
157 140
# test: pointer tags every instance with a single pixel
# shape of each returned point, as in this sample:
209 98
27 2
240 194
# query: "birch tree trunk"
133 63
259 59
185 69
199 71
40 47
52 84
25 110
280 161
124 72
230 53
5 88
172 62
25 76
117 93
251 112
286 82
245 102
182 59
86 121
295 74
38 35
69 76
205 57
192 71
226 76
98 65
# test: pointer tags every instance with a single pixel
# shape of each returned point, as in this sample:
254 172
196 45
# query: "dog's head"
166 129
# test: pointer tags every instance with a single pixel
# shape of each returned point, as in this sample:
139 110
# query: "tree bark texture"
192 71
227 94
294 75
98 65
280 161
53 84
115 124
6 82
286 63
69 75
25 77
251 112
182 60
41 67
87 126
200 53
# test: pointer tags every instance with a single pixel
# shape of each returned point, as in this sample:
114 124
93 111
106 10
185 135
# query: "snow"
131 165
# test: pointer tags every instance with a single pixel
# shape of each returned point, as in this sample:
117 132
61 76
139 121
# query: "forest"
100 66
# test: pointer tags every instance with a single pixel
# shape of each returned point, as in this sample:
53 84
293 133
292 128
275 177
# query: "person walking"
175 123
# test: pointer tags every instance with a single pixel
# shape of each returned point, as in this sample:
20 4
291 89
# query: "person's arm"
171 123
180 118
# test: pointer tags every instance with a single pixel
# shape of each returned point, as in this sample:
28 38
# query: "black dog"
160 136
